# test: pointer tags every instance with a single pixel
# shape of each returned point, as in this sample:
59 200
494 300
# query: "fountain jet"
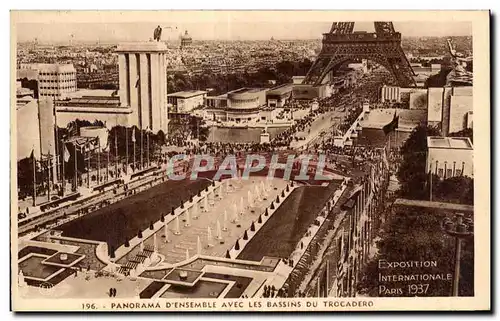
209 236
198 245
177 226
219 233
224 228
188 219
166 234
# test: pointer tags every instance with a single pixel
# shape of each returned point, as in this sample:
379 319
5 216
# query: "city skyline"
218 25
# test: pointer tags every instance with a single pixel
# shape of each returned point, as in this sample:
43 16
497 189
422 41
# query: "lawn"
122 220
281 233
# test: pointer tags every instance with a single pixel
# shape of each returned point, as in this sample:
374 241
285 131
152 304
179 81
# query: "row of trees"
414 234
181 128
415 181
118 138
282 73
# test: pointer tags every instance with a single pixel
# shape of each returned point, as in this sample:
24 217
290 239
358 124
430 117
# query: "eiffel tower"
341 45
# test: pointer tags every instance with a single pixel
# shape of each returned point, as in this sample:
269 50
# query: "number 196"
88 306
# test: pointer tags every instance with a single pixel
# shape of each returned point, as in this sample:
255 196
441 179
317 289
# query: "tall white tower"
143 84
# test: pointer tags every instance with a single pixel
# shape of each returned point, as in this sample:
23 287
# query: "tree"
416 235
458 189
468 132
139 234
252 227
260 219
25 176
438 80
237 245
412 172
112 252
245 235
127 244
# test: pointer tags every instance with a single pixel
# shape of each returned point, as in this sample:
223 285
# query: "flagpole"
430 183
396 129
147 140
107 164
98 160
34 176
116 153
133 132
142 148
76 170
62 174
48 177
88 161
126 150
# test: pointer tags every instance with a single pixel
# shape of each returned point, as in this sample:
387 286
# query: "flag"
133 135
66 154
393 125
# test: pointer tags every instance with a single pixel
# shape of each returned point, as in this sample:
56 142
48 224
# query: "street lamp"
459 228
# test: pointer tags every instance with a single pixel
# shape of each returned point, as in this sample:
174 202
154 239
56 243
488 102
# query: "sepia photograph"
289 161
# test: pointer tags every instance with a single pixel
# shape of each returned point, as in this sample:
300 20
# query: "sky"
216 25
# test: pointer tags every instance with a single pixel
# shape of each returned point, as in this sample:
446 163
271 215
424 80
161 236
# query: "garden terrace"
214 218
281 233
122 220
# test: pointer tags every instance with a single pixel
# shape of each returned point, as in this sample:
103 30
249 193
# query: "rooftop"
246 90
462 91
79 93
408 118
280 90
51 67
188 93
90 101
143 46
449 142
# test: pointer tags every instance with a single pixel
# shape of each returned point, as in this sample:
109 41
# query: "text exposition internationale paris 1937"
289 161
